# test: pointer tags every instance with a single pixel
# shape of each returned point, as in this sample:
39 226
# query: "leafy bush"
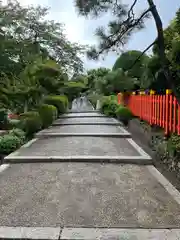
9 143
48 114
109 107
124 113
60 102
31 122
18 133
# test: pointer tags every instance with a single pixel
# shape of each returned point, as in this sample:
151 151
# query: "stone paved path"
66 187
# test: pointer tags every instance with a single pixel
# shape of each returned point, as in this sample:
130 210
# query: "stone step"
81 149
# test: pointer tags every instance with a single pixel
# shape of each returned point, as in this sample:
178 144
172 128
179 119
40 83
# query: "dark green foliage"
60 102
72 89
48 114
9 143
108 107
126 61
124 113
31 122
18 133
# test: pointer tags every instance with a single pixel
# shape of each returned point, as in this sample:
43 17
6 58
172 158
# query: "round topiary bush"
124 114
48 114
60 102
9 143
31 122
109 107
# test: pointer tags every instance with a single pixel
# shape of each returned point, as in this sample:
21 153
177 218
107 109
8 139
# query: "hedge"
48 114
31 122
60 102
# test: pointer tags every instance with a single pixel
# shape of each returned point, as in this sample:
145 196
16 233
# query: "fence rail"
160 110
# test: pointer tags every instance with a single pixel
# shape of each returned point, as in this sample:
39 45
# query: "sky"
78 29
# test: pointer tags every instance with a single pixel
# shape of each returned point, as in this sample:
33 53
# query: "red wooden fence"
160 110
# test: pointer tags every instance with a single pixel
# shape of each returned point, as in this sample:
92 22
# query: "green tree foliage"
116 81
94 76
128 62
35 56
24 32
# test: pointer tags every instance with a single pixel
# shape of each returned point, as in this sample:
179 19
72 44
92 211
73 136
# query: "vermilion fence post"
161 110
170 113
175 109
119 98
158 114
151 106
167 112
155 109
178 122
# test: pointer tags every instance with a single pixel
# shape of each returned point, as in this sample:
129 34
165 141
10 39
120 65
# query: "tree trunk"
161 49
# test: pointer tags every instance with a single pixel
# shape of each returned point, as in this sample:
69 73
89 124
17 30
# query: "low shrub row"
11 141
44 115
21 129
110 107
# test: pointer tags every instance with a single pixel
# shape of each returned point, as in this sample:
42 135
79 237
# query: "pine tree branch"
137 59
128 29
131 8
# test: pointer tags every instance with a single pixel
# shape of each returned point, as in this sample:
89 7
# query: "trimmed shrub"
109 107
124 114
60 102
18 133
9 143
31 122
48 114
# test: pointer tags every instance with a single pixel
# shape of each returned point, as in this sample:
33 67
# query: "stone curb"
82 116
118 234
45 233
140 160
90 111
112 135
94 123
58 233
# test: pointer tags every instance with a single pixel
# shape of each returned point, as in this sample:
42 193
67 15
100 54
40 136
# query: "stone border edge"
141 160
123 134
58 233
139 149
47 233
165 183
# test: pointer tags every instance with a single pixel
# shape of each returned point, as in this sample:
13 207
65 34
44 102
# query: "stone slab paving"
80 120
85 195
80 146
84 129
83 114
